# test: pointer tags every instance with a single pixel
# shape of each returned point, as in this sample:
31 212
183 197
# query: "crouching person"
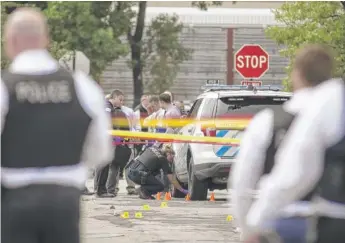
144 169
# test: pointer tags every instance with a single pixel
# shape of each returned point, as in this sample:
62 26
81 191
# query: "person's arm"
176 184
300 158
172 115
138 120
148 119
98 147
135 124
249 165
167 170
4 103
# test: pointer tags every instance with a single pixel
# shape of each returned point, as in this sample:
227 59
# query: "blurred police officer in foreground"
311 159
312 66
52 125
144 169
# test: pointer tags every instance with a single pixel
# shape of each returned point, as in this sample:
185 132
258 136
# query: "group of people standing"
107 177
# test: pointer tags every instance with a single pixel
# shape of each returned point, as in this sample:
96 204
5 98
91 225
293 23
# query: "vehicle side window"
194 110
208 108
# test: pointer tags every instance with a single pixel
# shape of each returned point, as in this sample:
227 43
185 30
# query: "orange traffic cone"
158 196
187 197
212 197
167 196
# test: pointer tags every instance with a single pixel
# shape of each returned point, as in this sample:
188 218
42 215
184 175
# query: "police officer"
144 169
312 66
102 171
53 125
123 152
313 154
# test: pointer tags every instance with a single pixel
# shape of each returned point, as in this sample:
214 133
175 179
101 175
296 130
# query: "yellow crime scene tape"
237 124
174 137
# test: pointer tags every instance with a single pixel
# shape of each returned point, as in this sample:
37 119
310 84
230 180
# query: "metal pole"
74 58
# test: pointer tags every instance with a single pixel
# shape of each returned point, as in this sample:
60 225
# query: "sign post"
251 61
75 60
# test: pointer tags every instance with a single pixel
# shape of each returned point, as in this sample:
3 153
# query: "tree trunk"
135 43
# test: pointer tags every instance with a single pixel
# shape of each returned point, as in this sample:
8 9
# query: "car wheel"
174 192
197 188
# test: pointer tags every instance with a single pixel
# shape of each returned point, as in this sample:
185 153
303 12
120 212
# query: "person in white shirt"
53 127
313 65
157 113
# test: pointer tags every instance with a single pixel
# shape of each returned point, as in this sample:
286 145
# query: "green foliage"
307 23
204 5
85 26
163 52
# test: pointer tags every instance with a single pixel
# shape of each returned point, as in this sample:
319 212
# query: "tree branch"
343 3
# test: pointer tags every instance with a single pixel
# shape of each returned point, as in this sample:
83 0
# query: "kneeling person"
144 169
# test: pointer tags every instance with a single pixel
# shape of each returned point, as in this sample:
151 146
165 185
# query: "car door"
181 149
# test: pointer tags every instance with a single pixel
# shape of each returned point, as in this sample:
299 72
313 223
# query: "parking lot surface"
180 221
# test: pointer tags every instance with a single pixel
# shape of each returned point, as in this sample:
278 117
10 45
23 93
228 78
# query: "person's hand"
184 191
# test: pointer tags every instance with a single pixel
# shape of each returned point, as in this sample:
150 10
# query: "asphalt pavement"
104 220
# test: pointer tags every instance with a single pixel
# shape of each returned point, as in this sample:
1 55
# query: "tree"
7 8
310 22
204 5
85 26
135 35
135 41
163 52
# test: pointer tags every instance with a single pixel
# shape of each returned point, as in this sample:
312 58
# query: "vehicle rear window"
247 105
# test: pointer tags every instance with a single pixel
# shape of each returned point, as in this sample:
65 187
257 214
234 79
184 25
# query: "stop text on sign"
251 61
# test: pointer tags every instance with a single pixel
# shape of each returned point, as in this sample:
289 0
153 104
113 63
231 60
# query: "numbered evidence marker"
164 205
138 215
125 215
229 218
146 207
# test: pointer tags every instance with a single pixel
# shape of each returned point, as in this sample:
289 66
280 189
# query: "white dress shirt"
158 115
98 144
300 158
250 162
132 118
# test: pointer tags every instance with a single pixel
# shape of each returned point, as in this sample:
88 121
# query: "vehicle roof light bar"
212 87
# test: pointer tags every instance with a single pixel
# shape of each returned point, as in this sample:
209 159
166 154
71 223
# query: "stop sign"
251 61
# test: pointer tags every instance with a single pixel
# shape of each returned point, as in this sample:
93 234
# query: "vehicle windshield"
247 105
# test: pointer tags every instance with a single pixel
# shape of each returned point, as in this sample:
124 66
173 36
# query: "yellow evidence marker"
164 205
125 215
146 207
229 218
138 215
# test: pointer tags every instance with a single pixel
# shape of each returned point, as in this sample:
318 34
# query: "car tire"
198 189
174 192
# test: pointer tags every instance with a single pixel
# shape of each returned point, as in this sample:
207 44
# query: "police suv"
202 167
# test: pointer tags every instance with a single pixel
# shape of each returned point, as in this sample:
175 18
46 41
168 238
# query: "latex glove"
184 191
